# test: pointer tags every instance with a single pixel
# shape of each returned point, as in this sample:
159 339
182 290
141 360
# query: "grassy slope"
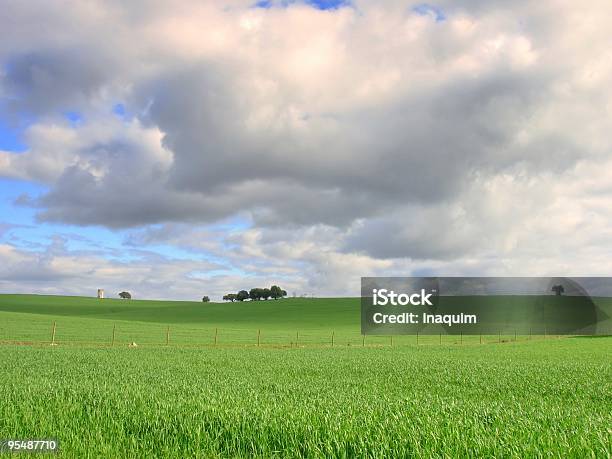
28 318
290 313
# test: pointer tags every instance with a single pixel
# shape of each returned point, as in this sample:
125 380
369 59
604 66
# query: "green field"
308 322
526 398
29 318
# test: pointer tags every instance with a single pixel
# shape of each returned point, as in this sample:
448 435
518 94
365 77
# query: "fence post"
440 339
499 337
113 340
461 338
297 338
258 335
515 336
333 338
216 330
168 335
391 340
53 334
481 338
417 338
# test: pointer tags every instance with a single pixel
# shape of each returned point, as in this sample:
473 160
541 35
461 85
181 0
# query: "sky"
177 150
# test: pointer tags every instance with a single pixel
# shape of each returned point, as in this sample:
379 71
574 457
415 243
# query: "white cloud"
363 140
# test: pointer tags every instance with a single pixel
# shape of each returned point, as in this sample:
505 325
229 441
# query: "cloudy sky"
175 149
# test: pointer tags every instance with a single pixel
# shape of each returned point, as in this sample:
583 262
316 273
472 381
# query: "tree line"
256 294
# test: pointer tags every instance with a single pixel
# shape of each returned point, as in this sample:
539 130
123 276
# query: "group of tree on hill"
256 294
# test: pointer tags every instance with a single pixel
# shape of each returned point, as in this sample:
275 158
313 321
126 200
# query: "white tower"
100 293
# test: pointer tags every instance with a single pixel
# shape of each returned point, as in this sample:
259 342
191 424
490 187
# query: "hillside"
291 313
30 318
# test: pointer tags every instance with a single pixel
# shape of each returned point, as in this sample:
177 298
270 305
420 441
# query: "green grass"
289 313
529 398
548 398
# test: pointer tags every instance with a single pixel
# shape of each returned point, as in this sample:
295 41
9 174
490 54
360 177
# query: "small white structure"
100 293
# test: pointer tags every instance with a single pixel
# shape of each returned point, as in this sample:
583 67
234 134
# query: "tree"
205 299
265 293
275 292
558 289
255 293
242 295
230 297
125 295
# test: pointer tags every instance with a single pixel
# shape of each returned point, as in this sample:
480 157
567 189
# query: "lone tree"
230 297
242 295
205 299
125 295
558 289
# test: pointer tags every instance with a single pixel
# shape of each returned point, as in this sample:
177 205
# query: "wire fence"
57 332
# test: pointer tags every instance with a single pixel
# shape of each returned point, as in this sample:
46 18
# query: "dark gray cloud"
419 148
51 81
416 235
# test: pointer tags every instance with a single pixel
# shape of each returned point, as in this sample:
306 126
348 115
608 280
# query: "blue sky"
319 4
426 9
11 138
